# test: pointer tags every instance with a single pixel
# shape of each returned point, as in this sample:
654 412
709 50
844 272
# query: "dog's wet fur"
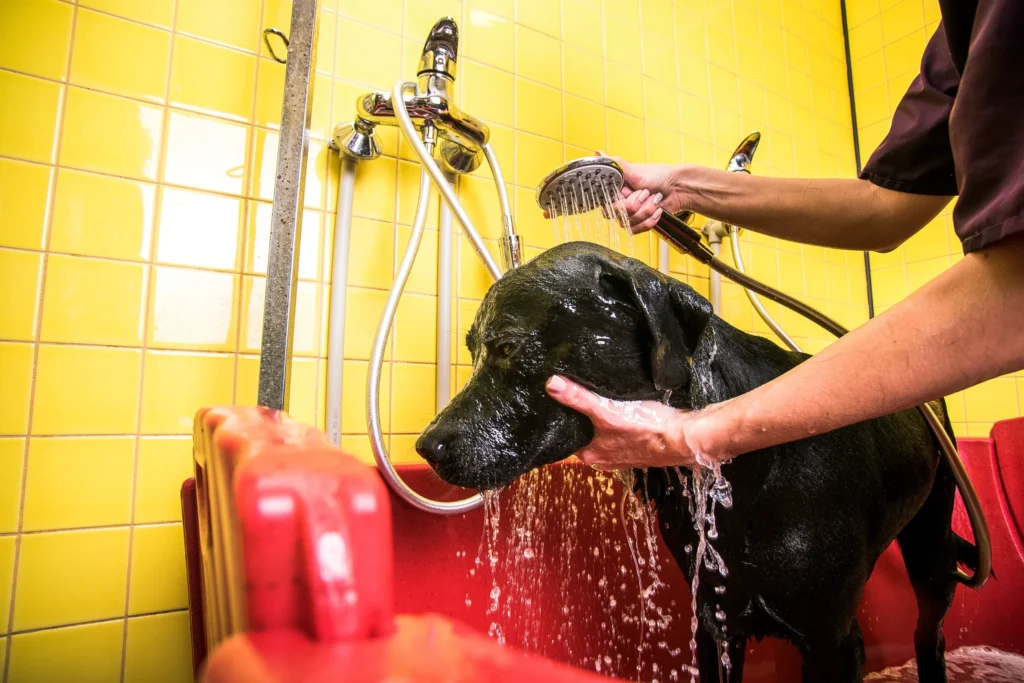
810 518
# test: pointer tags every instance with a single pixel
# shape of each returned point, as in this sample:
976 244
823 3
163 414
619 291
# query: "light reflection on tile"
205 153
193 309
198 229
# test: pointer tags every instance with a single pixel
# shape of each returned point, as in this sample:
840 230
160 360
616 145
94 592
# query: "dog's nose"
433 446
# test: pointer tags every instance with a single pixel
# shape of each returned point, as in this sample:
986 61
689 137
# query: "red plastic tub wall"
577 605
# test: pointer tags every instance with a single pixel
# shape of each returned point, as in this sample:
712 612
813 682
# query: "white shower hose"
431 172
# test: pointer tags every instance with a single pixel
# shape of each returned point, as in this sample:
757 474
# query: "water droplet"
720 590
528 553
720 616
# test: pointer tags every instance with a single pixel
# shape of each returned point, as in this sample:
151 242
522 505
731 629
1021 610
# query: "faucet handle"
441 51
744 154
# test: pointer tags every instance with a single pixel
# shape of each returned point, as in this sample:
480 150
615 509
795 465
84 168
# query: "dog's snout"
433 446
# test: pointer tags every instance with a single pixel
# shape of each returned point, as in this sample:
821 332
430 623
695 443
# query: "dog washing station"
306 565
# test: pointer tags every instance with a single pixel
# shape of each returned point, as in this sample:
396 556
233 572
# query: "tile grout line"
146 320
93 622
242 253
38 324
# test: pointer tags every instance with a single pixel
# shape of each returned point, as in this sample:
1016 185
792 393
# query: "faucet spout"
441 49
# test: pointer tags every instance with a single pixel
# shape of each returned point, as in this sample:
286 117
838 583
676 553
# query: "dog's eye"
505 350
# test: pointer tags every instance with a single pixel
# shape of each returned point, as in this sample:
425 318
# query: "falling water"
582 211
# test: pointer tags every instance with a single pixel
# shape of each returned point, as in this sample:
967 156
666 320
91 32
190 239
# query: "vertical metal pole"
286 219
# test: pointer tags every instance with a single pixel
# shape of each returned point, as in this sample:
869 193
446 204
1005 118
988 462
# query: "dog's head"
609 322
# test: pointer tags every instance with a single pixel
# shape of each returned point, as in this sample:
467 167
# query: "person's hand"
659 190
630 434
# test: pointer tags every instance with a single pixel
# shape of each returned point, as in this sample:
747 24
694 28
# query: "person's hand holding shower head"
657 189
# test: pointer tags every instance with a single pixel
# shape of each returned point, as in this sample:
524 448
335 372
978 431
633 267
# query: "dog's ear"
675 316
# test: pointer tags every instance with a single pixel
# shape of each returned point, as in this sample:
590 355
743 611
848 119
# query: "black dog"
810 518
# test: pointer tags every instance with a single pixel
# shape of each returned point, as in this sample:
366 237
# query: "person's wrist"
684 183
711 430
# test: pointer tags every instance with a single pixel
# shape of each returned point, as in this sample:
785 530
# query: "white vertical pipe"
663 255
444 307
339 290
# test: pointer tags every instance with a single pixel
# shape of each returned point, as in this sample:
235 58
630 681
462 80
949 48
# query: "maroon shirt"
960 127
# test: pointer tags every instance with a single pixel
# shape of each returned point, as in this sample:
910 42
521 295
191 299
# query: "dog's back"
809 520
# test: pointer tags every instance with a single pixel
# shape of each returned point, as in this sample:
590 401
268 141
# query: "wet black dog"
810 518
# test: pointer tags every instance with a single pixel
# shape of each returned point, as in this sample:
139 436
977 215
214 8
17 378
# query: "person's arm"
963 327
832 212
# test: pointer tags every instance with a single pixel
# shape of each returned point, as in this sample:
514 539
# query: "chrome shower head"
580 185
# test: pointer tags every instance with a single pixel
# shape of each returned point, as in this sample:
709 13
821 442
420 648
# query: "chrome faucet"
461 136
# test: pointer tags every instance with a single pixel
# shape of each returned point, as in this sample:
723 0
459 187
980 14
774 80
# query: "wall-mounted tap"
461 136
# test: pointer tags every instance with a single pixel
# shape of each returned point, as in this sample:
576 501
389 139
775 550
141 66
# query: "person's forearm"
841 213
964 327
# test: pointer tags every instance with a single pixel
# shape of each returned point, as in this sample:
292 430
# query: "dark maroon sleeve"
916 155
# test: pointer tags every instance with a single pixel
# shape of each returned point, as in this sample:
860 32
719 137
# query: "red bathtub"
299 560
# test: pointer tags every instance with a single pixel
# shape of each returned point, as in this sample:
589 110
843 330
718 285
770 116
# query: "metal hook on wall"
266 40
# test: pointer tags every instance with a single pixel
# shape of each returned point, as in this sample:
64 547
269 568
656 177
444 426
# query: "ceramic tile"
304 394
488 93
158 569
193 309
111 135
488 38
625 90
221 147
358 42
99 215
158 649
409 176
991 401
270 94
120 57
538 109
12 456
85 654
375 185
86 390
20 273
38 36
415 329
28 116
199 229
540 15
232 22
480 200
7 551
353 417
159 12
163 464
363 309
24 195
411 397
423 277
538 57
16 369
474 278
70 577
92 301
626 137
212 80
582 75
78 483
179 384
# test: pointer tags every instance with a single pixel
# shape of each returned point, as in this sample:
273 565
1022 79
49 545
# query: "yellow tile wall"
887 38
137 152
